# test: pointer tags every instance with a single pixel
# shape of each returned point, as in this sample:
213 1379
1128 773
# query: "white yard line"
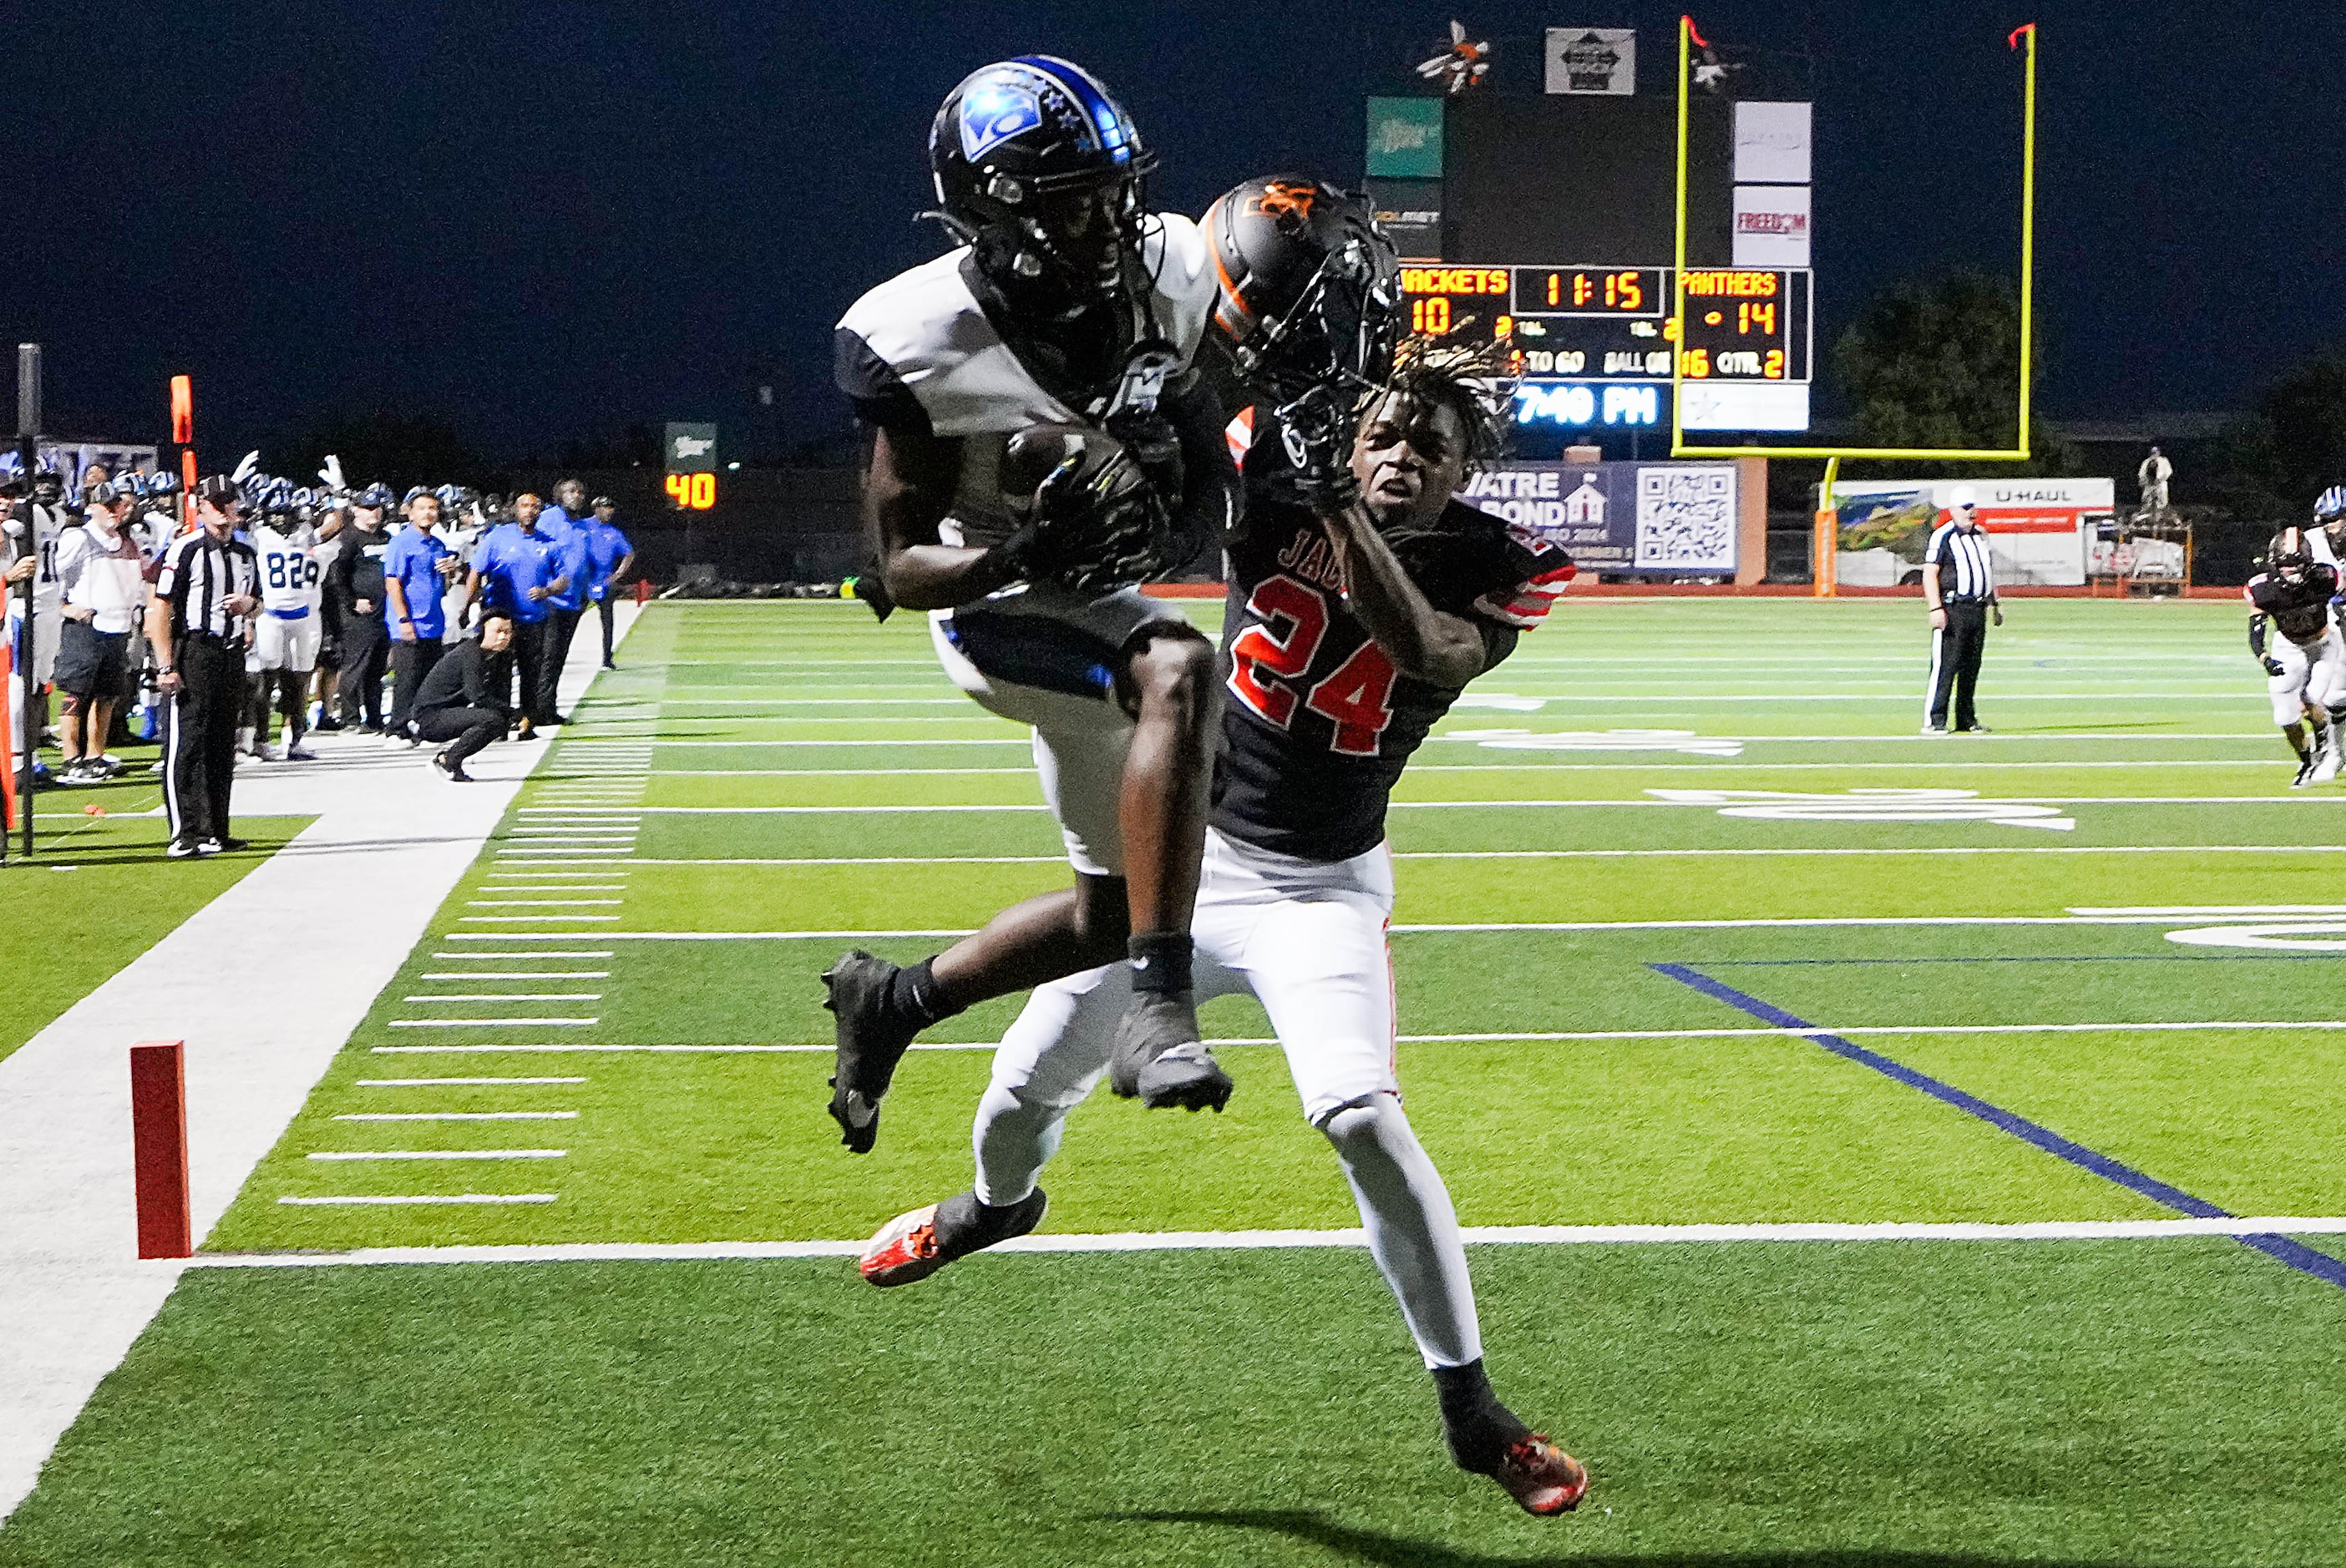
1251 1240
1576 854
447 1154
260 1034
2219 1027
454 1198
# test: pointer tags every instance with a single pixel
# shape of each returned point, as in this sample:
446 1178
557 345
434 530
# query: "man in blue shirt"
415 565
565 524
519 571
609 558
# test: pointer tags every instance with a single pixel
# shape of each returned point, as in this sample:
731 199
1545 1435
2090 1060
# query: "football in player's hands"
1090 518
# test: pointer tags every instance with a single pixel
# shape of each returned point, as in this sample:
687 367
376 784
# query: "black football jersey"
1317 724
2300 611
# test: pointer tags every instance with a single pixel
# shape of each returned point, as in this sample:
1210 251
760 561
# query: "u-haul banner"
2037 528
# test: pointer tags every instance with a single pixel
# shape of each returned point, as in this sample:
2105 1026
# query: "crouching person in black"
462 700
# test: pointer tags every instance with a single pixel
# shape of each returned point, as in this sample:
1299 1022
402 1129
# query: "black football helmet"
1310 286
1041 169
2287 557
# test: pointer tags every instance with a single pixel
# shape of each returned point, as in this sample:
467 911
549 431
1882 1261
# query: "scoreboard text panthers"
1613 323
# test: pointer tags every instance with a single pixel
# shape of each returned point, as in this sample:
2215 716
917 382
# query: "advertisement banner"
1404 138
69 458
1642 519
1592 60
1771 226
2037 529
1771 144
1410 212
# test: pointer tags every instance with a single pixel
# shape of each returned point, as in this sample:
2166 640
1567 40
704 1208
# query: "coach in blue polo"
568 525
517 570
415 566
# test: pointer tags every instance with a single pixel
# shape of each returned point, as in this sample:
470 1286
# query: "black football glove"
2272 666
1316 431
1093 526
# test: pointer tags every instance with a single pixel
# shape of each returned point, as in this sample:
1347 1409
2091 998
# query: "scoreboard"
1582 332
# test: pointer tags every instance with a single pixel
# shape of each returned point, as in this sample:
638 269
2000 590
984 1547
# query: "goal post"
2022 39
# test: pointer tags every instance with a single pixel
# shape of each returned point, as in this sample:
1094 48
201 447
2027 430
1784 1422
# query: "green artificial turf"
2119 1404
2118 1401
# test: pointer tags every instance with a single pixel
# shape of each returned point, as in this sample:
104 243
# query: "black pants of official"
602 609
410 662
366 650
1955 652
561 625
199 739
470 729
528 659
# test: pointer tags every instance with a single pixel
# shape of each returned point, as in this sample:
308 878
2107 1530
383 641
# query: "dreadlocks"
1476 380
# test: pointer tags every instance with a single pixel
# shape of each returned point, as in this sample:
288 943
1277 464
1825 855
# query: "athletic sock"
1477 1427
1160 962
913 996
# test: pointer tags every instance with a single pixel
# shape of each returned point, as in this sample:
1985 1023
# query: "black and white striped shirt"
199 575
1960 556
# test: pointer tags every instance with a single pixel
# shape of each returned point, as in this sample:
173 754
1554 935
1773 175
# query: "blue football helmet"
2331 507
1041 169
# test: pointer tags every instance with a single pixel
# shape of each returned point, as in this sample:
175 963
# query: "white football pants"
1307 939
1045 657
2314 674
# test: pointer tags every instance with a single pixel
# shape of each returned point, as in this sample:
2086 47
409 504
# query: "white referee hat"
1962 496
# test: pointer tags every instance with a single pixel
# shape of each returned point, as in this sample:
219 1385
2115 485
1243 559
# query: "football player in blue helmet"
2328 536
1041 445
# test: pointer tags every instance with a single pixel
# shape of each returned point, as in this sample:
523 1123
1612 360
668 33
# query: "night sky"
543 221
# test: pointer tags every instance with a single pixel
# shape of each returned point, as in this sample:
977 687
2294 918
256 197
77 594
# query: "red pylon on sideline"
159 1144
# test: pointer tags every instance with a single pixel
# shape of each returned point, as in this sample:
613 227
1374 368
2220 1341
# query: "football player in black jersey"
1040 445
1363 598
2305 665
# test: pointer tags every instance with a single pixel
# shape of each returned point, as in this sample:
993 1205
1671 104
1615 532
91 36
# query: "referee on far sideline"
1959 583
198 622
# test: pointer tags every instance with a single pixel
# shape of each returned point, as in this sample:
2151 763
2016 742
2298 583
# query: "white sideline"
1253 1240
259 1033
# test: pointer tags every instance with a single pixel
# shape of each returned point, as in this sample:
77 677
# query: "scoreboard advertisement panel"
1596 343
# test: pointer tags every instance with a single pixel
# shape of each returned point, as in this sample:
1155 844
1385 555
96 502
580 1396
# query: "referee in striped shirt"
199 623
1959 583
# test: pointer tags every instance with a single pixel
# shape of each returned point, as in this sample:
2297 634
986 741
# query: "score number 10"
691 492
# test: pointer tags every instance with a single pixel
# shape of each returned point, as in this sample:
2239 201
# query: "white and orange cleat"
916 1244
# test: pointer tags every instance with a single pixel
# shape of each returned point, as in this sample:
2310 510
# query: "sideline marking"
1252 1240
2295 1254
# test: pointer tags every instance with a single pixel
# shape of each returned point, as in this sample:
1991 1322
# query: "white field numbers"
1686 518
1267 665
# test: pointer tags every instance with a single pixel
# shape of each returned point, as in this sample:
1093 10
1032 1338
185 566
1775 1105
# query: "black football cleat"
1160 1060
915 1245
872 1041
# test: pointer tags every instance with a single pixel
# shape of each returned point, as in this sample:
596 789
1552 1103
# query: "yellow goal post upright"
2022 38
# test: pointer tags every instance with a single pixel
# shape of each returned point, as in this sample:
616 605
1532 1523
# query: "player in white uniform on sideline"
2305 665
461 529
1040 446
1354 621
285 634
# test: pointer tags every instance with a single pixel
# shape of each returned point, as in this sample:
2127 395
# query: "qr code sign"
1686 518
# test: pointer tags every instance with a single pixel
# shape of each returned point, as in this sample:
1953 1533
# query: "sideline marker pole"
158 1140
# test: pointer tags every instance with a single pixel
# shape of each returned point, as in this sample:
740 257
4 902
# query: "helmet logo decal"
1279 198
994 112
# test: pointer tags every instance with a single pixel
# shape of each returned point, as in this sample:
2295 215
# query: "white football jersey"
48 527
927 327
290 572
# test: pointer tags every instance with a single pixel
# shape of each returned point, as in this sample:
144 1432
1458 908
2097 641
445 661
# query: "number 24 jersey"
1317 724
